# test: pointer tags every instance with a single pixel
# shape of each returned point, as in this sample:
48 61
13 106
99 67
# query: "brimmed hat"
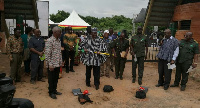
106 31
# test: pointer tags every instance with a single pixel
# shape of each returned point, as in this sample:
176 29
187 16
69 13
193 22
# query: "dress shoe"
32 82
17 80
182 88
140 82
58 93
108 76
133 80
116 77
121 78
97 87
158 85
173 85
67 71
53 96
27 74
88 85
42 80
71 70
166 87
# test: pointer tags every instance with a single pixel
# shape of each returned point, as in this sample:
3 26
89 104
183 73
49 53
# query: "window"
189 1
185 25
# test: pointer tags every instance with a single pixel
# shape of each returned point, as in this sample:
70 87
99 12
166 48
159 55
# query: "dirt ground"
123 95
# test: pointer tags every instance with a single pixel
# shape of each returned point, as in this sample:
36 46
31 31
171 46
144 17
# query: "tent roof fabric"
73 20
51 22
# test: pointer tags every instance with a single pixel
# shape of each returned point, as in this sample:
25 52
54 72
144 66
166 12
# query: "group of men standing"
171 51
27 48
182 53
97 52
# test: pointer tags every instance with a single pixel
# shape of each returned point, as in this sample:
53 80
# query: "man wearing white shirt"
53 58
168 53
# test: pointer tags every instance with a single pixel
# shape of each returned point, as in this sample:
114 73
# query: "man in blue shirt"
36 45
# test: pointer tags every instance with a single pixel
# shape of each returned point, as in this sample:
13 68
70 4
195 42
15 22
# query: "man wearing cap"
120 49
91 57
105 67
188 56
137 45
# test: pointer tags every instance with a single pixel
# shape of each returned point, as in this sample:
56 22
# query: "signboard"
155 28
43 14
1 5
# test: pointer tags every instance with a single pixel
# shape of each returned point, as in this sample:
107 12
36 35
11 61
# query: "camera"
7 91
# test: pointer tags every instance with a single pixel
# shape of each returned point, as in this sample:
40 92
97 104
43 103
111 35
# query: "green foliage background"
118 23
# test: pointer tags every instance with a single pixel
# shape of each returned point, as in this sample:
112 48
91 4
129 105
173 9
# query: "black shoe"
72 70
158 85
17 80
32 82
116 77
133 80
101 75
58 93
97 87
42 80
121 78
112 70
140 82
173 85
53 96
67 71
88 85
182 88
166 87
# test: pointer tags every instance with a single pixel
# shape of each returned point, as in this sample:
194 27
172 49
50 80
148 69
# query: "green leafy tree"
59 17
117 22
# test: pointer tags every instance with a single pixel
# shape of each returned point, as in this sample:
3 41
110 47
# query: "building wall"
190 11
1 5
3 43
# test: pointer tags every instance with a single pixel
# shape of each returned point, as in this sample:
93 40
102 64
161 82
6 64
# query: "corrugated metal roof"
161 12
19 7
141 16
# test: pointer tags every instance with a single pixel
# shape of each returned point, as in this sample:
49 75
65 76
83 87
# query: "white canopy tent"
74 21
51 22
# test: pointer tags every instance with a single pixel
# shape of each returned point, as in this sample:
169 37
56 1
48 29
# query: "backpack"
140 94
107 88
83 99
